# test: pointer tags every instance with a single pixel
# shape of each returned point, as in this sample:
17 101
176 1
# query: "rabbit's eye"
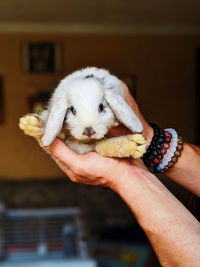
101 107
73 110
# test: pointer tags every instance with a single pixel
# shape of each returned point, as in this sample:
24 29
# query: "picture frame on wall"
42 57
2 102
38 100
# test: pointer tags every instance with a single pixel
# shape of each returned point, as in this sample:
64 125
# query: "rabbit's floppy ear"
55 121
123 112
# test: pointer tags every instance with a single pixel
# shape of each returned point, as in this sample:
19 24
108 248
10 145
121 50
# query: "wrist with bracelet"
164 150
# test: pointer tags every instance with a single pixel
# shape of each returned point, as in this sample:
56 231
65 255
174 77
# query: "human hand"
92 168
121 130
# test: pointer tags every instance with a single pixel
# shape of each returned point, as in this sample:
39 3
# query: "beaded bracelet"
155 146
158 148
163 142
177 154
171 152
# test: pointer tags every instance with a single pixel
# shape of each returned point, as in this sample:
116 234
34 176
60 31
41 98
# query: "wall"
165 70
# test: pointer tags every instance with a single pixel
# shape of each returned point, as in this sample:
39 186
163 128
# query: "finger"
61 165
70 174
64 154
118 131
132 103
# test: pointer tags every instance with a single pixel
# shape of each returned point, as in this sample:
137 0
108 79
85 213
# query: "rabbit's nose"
89 131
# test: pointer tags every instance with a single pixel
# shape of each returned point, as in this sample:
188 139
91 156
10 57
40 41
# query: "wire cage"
39 233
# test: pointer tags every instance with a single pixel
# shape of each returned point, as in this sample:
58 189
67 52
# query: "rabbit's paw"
124 146
31 125
140 143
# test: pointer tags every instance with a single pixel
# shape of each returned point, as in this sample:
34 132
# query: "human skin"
186 171
173 232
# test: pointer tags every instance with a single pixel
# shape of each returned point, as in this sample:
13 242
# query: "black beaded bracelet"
157 149
155 146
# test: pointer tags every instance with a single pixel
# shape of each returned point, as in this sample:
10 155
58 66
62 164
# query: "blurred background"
154 46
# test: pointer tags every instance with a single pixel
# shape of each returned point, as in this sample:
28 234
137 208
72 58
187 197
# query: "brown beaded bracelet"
177 154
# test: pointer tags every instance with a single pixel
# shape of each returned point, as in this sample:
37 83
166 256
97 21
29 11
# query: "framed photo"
130 81
42 57
2 103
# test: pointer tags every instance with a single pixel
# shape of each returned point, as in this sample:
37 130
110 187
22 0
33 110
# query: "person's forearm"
186 171
173 232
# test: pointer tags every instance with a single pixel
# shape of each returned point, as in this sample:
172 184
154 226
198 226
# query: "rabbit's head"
88 114
87 103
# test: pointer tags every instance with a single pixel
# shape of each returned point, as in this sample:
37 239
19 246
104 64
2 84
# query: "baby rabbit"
82 109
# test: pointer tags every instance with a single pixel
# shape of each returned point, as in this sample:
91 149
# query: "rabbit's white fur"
85 90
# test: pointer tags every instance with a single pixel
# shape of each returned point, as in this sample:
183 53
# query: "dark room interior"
154 47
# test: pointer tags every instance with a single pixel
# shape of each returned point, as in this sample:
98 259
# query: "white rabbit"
82 109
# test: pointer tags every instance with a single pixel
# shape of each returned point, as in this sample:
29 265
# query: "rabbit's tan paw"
140 145
124 146
138 138
31 125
